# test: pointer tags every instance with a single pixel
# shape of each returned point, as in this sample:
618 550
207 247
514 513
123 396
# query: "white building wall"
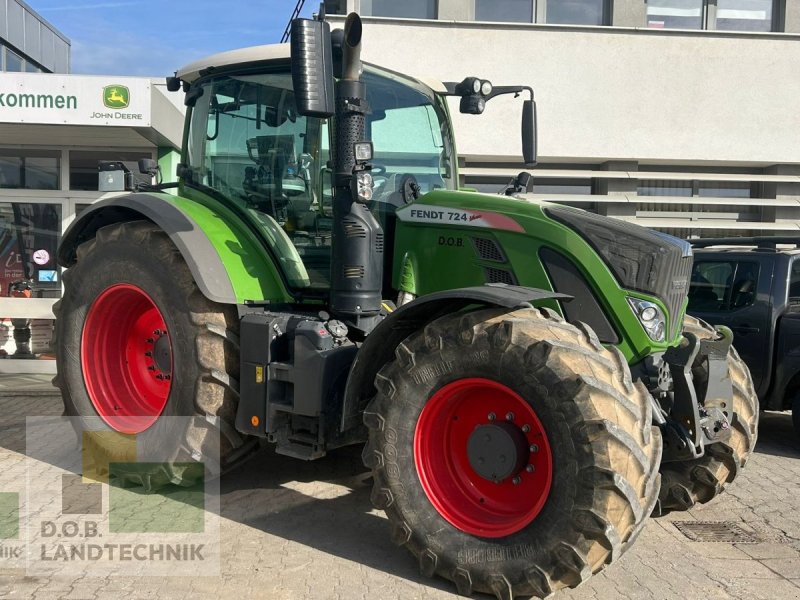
612 93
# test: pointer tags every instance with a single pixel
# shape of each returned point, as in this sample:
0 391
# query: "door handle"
745 329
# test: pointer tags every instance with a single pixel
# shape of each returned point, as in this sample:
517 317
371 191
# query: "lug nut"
509 416
526 428
530 468
150 340
160 377
534 448
148 354
157 332
151 368
167 377
516 480
491 416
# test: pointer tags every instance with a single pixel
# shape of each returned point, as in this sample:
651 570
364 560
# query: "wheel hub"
497 451
483 457
162 354
126 358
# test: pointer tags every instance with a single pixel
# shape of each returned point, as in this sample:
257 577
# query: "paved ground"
305 530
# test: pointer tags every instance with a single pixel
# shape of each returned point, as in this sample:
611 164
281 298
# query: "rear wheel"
136 342
511 452
686 483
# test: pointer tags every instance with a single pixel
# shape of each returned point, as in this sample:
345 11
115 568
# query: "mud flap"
697 422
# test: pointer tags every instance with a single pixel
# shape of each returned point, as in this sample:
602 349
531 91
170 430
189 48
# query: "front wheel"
136 344
511 451
690 482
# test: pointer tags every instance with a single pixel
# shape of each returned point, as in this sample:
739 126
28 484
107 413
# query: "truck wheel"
684 484
511 452
135 341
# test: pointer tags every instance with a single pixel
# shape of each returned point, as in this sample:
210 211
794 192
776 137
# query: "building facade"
55 130
675 114
28 43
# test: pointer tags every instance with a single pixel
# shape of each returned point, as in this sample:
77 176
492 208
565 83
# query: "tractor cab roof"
265 54
242 56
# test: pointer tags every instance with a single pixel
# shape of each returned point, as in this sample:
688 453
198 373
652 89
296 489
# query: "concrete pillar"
618 186
629 13
456 10
791 18
783 191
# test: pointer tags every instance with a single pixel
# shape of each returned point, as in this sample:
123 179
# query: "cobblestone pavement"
305 530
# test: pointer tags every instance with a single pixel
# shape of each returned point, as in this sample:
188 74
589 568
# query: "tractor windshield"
247 142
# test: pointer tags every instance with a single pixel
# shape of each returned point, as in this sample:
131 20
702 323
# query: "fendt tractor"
521 373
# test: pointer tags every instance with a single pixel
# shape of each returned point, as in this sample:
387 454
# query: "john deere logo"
116 96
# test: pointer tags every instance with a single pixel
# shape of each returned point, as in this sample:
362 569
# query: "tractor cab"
248 143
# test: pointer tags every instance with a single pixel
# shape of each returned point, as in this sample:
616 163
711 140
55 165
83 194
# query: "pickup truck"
752 286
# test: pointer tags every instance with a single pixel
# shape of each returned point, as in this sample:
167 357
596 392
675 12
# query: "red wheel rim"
467 500
126 357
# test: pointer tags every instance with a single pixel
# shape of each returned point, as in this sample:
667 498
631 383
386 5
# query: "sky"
154 38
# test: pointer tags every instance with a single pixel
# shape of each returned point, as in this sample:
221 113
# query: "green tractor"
521 373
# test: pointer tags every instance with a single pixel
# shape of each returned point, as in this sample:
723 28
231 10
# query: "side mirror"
312 68
529 132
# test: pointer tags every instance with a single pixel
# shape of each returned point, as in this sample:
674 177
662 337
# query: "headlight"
651 318
364 186
486 88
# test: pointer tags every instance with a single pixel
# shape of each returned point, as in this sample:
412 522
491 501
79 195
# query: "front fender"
379 347
228 264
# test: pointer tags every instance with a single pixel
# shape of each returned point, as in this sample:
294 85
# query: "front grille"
487 249
675 287
499 276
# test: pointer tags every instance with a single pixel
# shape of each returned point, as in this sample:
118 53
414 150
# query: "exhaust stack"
357 261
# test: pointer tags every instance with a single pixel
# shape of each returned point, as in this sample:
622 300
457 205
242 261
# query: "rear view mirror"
312 68
529 132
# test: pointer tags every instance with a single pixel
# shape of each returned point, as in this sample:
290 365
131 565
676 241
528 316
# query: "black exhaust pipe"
357 261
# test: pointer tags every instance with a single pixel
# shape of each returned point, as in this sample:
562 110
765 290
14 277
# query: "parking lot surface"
290 529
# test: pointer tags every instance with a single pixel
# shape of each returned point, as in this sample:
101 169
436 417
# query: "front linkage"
692 411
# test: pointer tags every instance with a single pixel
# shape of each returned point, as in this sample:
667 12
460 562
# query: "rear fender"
380 345
229 266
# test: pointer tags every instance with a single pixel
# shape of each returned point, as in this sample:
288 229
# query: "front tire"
136 341
687 483
576 418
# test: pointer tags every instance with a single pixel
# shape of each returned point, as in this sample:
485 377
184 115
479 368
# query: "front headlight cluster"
651 317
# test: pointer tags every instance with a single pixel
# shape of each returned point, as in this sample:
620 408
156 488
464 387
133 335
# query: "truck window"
794 283
723 285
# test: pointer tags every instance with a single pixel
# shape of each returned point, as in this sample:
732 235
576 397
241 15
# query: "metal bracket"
697 422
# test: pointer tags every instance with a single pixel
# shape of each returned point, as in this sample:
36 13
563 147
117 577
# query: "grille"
379 243
354 272
674 294
499 276
715 531
353 229
487 249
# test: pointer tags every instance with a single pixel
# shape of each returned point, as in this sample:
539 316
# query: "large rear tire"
136 341
687 483
578 473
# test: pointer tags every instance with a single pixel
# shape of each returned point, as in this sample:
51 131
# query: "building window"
25 229
84 173
29 169
727 15
506 11
559 12
659 187
408 9
744 15
577 12
14 62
